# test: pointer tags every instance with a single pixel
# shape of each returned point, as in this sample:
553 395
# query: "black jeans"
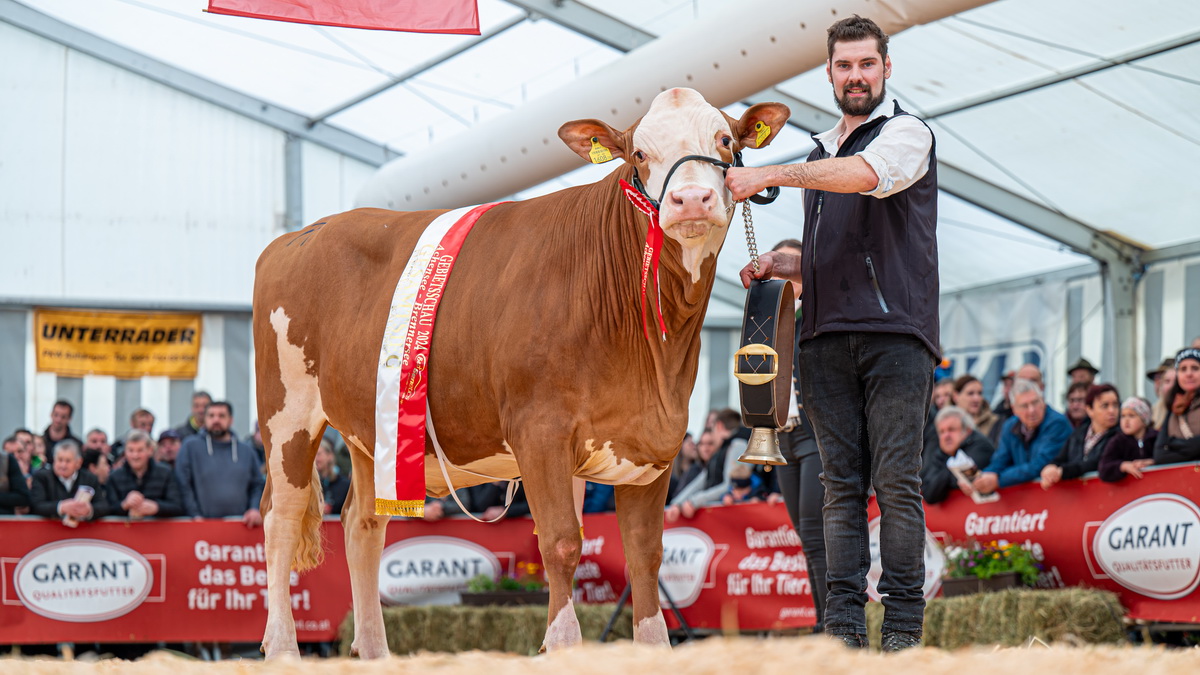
867 395
800 485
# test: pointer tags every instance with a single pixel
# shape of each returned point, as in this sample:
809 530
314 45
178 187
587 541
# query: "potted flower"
525 587
975 567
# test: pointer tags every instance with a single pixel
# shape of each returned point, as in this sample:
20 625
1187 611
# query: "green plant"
526 578
986 560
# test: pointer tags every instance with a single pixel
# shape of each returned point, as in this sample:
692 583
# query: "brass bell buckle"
753 377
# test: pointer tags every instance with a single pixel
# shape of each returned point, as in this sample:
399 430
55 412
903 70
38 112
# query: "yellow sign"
123 344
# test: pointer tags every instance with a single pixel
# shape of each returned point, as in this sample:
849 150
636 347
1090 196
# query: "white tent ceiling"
1087 108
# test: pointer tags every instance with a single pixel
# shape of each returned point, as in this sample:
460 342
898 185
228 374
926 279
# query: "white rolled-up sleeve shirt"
899 155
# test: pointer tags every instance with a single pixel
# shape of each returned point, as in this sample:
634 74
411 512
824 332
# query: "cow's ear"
593 140
759 124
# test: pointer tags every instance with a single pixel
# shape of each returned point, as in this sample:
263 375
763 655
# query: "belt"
763 364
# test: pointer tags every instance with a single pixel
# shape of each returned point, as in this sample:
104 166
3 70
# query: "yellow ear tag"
599 154
763 131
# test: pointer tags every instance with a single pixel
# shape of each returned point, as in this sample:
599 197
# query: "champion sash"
402 378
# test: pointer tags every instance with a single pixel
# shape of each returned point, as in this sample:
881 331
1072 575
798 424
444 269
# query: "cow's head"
695 208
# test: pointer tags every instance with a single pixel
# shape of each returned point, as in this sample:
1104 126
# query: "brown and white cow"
539 365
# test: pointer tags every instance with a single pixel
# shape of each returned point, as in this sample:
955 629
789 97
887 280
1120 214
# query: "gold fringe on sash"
412 508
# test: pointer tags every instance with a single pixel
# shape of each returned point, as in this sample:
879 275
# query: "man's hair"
1023 386
94 430
11 439
955 411
730 419
139 436
22 430
92 458
855 28
65 403
1097 390
790 243
205 394
325 445
224 404
140 411
1077 386
67 444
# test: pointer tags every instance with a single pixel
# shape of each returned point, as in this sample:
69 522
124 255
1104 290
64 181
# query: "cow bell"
763 448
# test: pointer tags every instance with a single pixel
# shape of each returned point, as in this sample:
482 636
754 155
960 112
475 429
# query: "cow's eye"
726 141
639 155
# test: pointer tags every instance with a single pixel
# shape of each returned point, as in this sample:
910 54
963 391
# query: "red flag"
414 16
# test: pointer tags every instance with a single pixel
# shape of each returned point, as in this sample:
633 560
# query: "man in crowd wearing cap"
1082 371
1163 378
220 476
168 448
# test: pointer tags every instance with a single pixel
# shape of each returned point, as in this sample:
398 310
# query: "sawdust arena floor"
782 656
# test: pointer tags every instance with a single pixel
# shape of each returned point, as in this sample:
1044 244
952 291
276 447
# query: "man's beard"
218 431
858 107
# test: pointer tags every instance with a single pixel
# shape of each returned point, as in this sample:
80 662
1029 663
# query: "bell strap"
763 364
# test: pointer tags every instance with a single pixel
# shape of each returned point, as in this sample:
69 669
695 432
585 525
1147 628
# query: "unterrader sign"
75 343
1137 538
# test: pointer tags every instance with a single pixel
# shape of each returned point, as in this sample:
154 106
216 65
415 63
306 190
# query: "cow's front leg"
550 498
640 515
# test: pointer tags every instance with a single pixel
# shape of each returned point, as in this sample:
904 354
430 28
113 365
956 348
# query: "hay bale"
453 628
1012 617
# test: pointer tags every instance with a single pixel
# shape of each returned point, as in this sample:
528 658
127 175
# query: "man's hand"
75 508
1134 468
144 508
434 511
987 482
687 510
132 500
727 500
744 181
966 488
252 518
671 514
772 265
1051 474
492 512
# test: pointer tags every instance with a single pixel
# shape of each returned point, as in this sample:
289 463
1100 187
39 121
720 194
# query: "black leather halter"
770 195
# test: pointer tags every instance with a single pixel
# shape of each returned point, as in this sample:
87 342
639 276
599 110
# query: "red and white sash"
401 384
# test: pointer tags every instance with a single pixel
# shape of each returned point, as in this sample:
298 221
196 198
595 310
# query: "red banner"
1137 538
736 566
414 16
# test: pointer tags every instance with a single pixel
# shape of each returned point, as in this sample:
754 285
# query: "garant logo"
83 580
431 570
687 553
935 564
1152 546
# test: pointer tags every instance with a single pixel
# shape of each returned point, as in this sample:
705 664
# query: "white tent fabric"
1087 107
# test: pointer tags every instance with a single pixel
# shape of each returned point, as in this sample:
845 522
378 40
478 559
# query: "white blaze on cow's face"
696 207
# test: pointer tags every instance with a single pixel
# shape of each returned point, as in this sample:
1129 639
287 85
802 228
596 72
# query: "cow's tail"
311 550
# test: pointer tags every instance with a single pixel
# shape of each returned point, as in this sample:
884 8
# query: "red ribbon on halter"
650 254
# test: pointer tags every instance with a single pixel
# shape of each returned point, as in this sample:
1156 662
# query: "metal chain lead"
751 244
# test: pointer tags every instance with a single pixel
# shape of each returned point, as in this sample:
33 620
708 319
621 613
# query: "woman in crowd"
943 394
1179 438
1130 450
1081 453
968 395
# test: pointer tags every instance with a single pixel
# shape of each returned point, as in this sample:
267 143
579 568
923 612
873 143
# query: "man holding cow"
869 334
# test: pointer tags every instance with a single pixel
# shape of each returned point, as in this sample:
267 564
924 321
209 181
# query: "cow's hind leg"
292 501
640 516
365 533
553 506
293 507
